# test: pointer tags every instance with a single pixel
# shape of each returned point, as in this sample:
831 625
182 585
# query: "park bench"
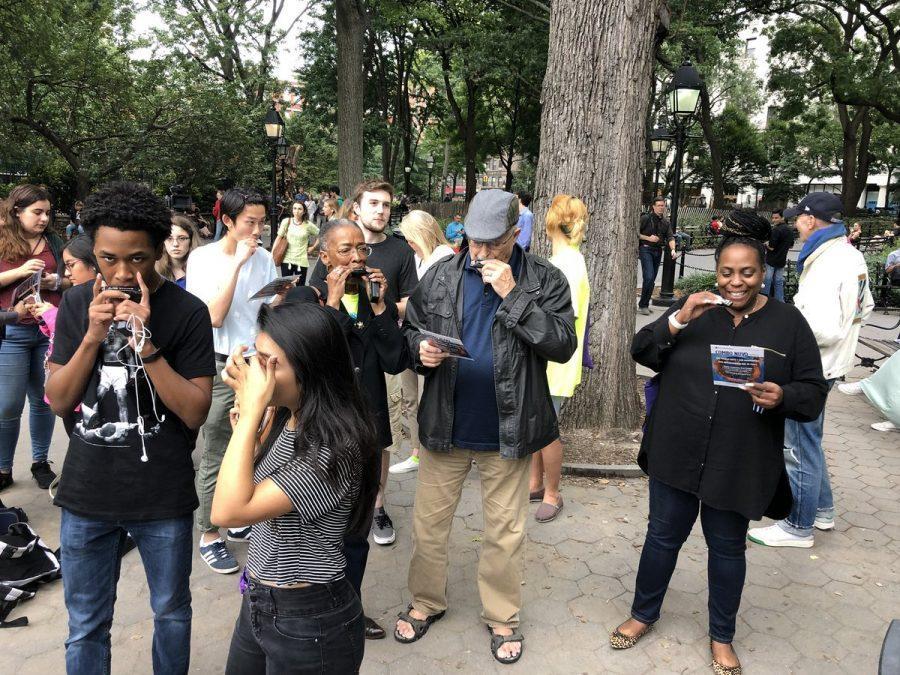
874 244
884 347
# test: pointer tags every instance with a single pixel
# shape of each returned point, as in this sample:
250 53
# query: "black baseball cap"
822 205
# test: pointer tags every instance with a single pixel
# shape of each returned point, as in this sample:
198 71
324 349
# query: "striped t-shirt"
305 545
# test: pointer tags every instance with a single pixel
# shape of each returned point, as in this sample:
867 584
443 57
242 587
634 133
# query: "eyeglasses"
494 244
183 239
365 250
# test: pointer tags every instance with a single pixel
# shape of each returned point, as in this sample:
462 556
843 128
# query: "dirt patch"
594 446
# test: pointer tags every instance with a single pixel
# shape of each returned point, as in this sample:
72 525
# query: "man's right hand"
653 239
430 355
31 266
101 312
245 250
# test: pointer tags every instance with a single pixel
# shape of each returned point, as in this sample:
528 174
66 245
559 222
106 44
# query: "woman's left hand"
766 395
252 383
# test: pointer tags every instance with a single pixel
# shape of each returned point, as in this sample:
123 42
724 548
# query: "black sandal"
419 626
498 641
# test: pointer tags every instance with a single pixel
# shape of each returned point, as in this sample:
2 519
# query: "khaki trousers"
403 407
216 436
504 499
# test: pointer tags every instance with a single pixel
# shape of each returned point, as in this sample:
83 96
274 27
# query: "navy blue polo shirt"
476 420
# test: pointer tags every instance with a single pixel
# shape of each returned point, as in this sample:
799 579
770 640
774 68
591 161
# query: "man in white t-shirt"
224 275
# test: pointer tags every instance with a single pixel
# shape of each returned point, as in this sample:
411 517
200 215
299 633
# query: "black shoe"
43 474
373 630
5 480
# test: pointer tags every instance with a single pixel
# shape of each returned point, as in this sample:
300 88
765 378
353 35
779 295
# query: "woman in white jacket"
835 300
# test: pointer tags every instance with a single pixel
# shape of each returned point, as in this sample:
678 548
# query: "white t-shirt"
207 275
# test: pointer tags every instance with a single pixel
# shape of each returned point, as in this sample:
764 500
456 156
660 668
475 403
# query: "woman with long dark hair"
732 367
183 239
300 235
28 249
312 479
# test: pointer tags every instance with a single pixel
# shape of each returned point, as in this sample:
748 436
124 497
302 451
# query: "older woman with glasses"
184 239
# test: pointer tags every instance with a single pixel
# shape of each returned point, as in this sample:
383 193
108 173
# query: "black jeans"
289 270
672 515
317 629
650 257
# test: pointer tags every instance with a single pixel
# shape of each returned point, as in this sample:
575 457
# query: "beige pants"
504 499
403 406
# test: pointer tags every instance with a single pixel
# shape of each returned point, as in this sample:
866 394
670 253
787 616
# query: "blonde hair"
332 204
566 217
164 265
423 230
346 211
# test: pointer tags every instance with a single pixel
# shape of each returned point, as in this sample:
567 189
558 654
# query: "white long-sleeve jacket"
835 299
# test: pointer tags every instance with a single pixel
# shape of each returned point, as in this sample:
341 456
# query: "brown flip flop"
547 512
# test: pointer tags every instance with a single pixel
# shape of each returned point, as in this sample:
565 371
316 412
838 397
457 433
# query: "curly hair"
745 227
128 207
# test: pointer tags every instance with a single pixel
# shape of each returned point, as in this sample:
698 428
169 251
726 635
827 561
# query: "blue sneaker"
218 557
240 534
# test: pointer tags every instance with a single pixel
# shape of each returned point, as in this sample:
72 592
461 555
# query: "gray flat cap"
491 214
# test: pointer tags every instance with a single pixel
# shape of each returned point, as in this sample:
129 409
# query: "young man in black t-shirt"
132 372
780 242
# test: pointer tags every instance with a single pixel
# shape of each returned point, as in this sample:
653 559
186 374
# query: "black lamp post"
407 170
429 163
274 125
660 140
682 96
281 150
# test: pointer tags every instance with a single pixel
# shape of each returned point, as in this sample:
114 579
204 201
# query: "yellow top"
564 377
351 304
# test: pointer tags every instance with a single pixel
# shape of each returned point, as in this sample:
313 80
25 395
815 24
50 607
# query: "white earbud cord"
141 334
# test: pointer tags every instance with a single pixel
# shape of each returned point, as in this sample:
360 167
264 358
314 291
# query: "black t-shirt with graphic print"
129 456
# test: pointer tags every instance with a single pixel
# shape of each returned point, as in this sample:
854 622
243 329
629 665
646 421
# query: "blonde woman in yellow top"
565 224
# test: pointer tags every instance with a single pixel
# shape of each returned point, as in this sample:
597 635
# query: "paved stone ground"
821 610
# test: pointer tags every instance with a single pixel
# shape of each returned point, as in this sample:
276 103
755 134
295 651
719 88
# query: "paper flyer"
736 366
30 287
274 286
452 346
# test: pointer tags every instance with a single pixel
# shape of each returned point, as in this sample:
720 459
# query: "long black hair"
333 413
747 228
82 248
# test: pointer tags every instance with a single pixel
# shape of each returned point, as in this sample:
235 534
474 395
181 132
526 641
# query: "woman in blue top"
183 240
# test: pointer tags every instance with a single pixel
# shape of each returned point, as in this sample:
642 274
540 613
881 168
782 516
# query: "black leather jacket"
534 324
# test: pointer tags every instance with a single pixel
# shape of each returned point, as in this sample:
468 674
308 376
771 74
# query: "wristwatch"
151 357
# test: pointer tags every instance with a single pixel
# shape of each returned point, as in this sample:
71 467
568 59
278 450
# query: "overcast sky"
288 52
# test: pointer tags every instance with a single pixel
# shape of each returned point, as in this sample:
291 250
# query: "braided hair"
745 227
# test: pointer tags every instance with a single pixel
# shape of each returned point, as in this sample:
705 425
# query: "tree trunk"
445 167
857 131
715 150
592 146
350 33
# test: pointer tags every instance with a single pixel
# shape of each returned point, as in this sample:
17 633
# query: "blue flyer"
736 366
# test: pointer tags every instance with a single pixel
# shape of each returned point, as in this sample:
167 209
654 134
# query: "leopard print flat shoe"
618 639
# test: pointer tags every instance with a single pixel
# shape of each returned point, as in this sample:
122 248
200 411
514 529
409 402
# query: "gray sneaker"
383 529
644 310
218 557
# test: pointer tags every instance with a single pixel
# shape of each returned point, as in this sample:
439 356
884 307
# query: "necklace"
36 245
747 315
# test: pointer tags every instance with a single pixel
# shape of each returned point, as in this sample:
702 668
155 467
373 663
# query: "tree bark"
592 146
857 132
349 16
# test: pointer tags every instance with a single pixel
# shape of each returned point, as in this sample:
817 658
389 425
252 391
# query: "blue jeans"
804 459
22 373
672 515
650 257
317 629
774 283
91 549
220 229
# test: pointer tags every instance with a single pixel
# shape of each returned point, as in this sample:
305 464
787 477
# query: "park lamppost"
660 140
429 163
281 150
682 96
274 125
407 170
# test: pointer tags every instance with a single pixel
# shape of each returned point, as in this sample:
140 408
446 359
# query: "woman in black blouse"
716 449
313 479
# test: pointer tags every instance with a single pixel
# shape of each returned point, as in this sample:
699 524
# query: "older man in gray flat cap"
512 312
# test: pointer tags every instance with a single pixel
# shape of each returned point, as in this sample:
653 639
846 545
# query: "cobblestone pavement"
820 610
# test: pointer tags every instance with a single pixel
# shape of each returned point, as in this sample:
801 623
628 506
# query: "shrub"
694 283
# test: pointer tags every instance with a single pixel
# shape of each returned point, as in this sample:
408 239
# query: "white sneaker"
851 388
775 536
407 465
824 524
885 426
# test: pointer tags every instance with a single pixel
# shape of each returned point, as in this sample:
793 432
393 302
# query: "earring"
762 286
